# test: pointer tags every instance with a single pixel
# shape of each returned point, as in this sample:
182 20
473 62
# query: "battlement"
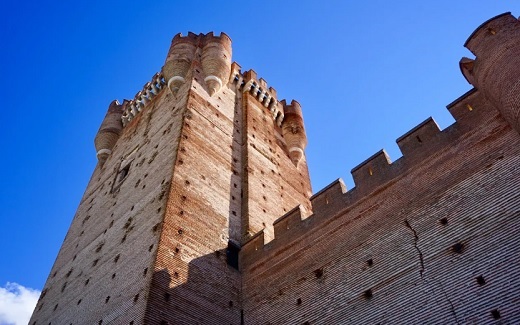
249 82
142 98
375 174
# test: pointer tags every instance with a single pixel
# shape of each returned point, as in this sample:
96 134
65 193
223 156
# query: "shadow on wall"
207 294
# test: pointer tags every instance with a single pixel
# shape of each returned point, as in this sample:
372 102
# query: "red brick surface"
428 238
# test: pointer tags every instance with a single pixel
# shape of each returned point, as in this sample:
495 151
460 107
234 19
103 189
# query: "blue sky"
365 72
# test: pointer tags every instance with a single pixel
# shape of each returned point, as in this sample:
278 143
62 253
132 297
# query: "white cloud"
17 303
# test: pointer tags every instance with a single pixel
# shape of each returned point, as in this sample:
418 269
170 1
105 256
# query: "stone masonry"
200 210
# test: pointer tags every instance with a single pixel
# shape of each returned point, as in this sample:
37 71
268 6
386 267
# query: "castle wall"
410 242
104 268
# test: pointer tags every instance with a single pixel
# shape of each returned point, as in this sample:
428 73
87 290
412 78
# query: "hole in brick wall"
163 322
480 280
458 248
370 262
85 219
113 276
136 297
107 299
491 31
150 248
79 302
99 247
158 210
100 322
187 182
234 213
181 161
145 271
81 233
138 182
263 185
180 231
234 185
116 258
299 301
95 262
177 250
155 228
418 139
183 198
131 323
144 186
443 221
87 281
63 287
176 275
166 296
69 273
264 210
307 323
55 307
132 208
123 239
111 223
496 314
368 294
264 197
181 212
318 273
123 173
230 304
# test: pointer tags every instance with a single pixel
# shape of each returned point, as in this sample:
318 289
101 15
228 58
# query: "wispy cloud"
17 303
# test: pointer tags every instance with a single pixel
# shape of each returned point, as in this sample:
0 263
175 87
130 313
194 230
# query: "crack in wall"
422 269
416 239
452 307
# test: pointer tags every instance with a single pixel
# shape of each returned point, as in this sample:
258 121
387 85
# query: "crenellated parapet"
212 52
419 145
143 98
248 82
496 44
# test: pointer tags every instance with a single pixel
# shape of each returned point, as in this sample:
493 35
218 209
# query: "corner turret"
294 130
178 61
496 69
109 131
216 61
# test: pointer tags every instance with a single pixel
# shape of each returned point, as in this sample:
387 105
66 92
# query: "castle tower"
495 45
203 157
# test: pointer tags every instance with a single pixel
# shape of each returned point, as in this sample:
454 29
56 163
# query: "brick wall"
410 242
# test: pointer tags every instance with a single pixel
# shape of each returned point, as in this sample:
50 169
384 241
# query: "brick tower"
202 158
199 210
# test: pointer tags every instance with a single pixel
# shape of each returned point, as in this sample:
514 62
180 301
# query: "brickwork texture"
200 210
